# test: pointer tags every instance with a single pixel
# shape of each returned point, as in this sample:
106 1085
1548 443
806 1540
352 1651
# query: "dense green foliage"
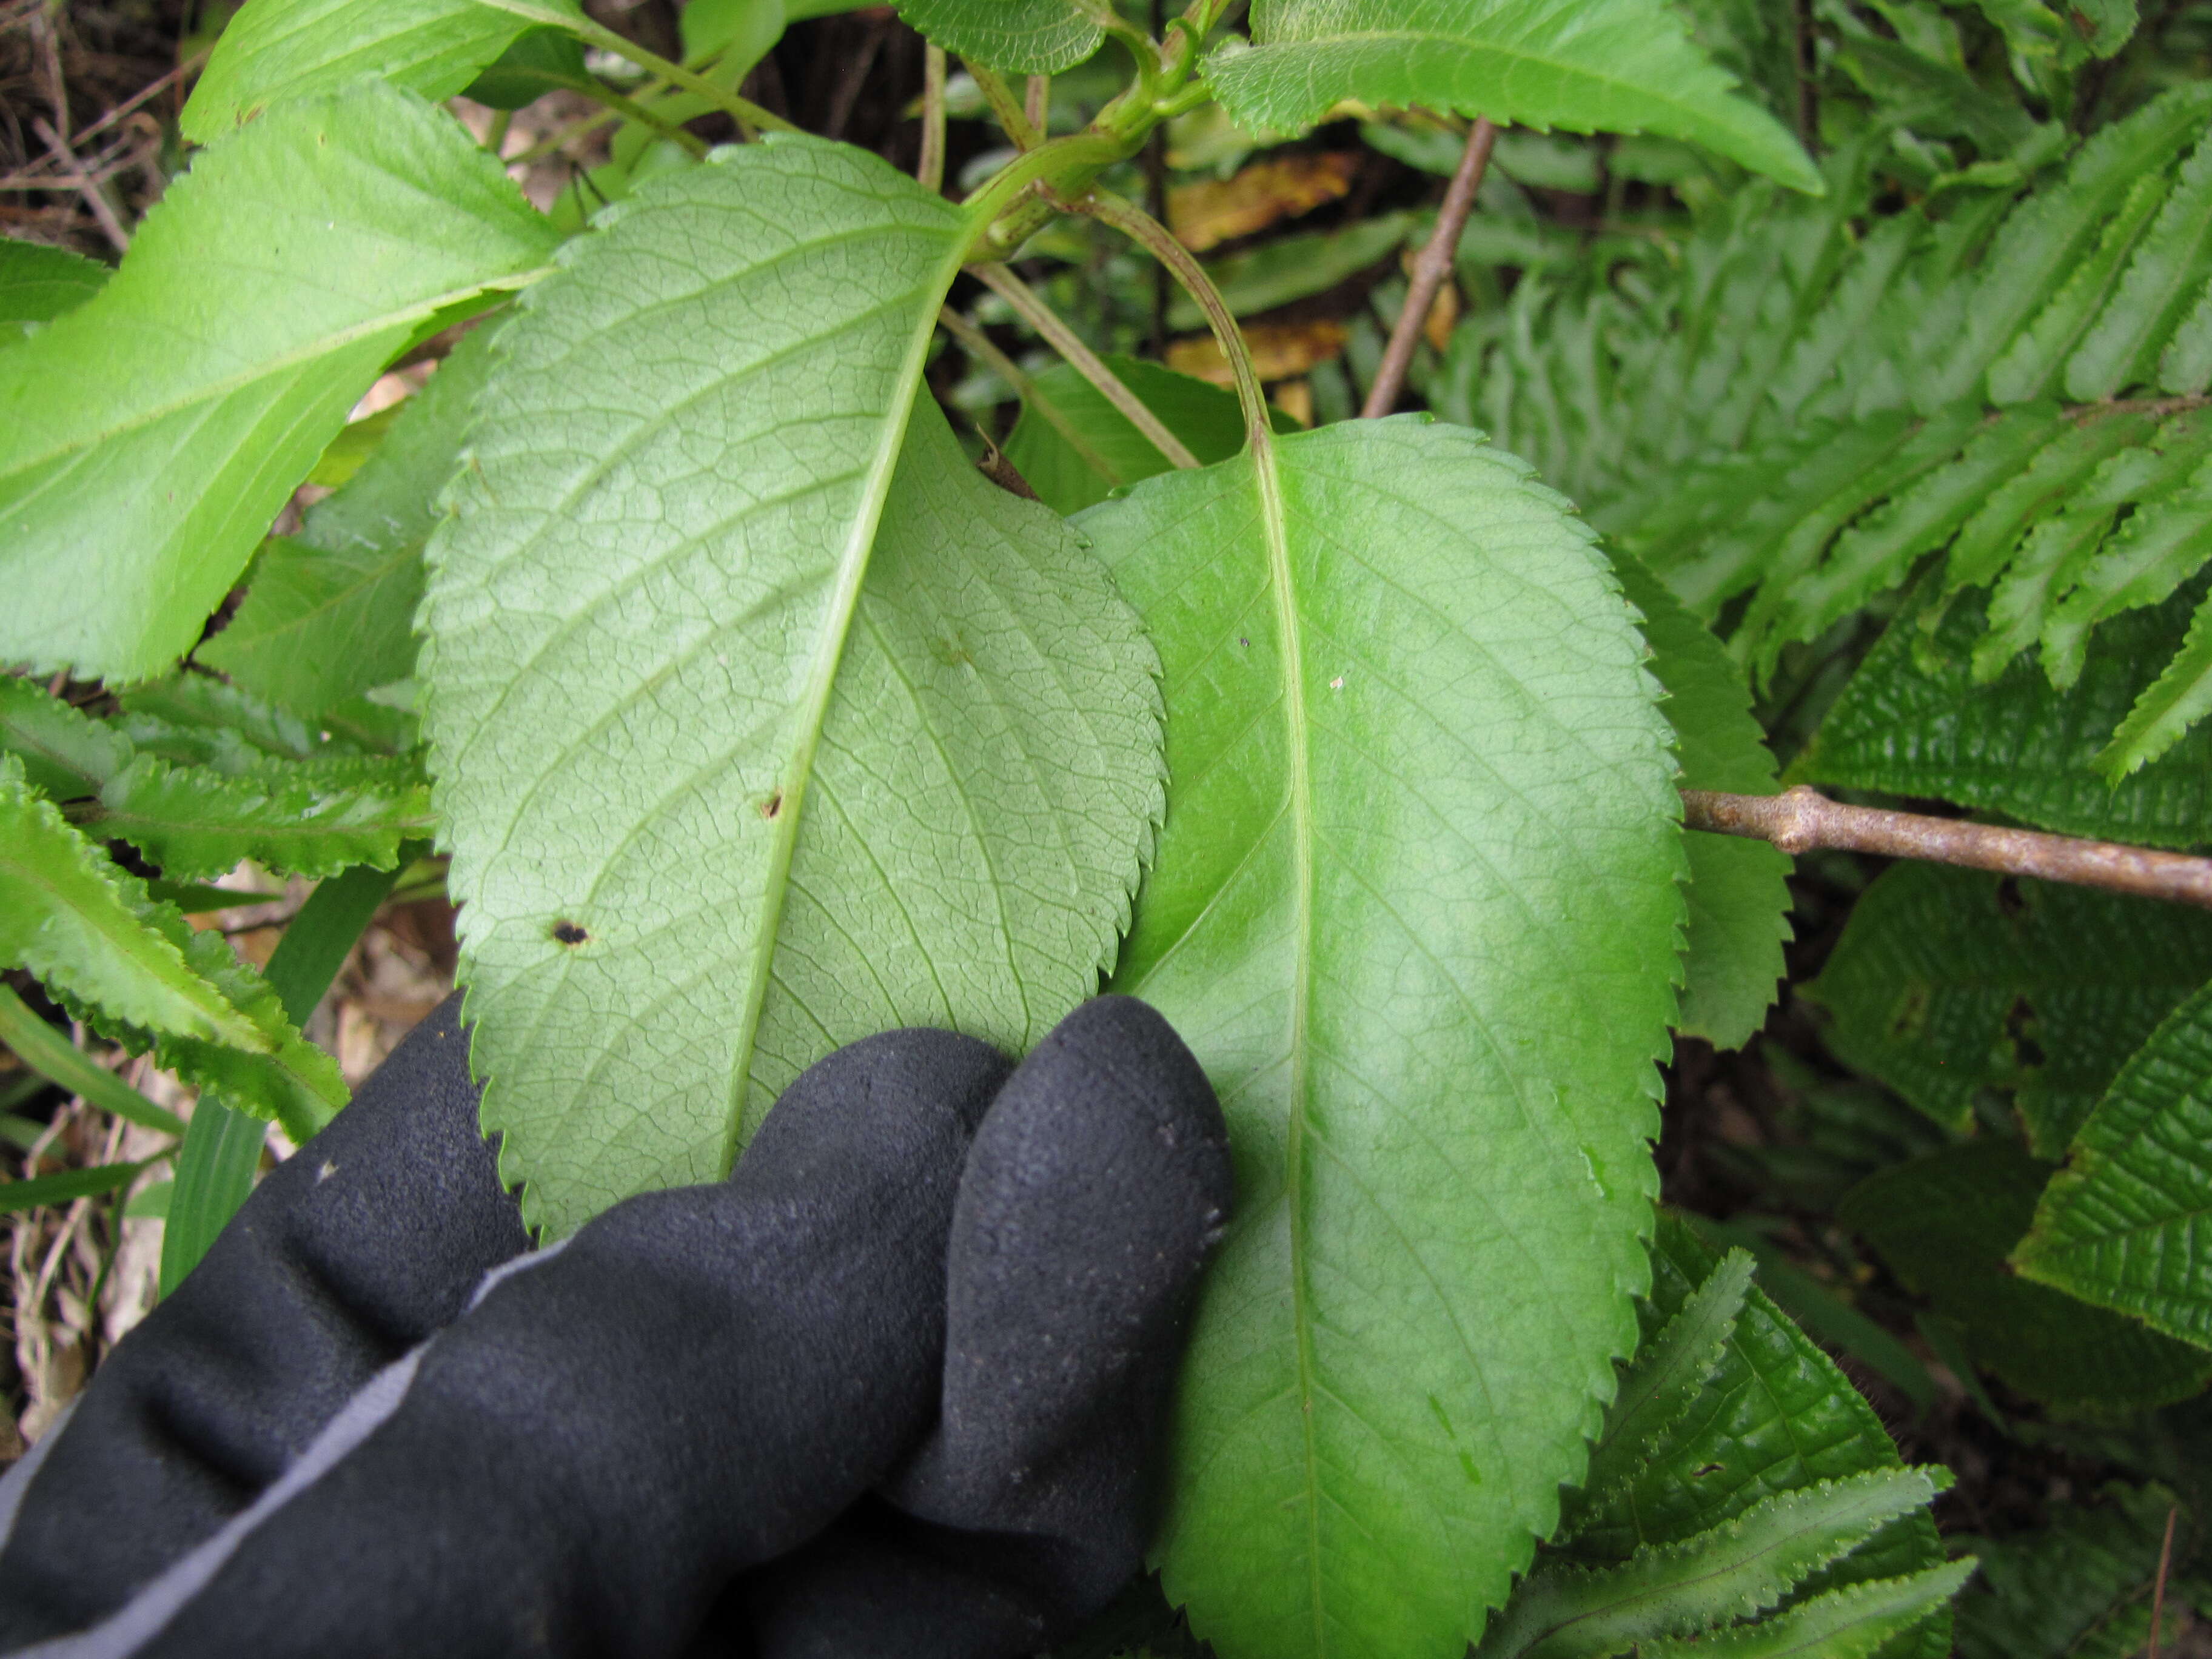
750 718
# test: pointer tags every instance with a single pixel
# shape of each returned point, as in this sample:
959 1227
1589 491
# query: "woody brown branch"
1431 267
1801 820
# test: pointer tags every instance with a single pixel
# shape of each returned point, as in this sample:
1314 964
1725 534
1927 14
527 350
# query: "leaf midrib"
1275 531
822 671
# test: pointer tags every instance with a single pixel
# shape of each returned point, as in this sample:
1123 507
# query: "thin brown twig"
143 93
1431 266
1799 820
1029 306
2158 1586
86 185
1037 102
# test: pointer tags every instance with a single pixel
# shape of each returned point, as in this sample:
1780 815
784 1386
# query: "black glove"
893 1388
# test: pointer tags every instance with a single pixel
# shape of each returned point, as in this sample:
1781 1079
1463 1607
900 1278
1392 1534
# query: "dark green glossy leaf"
1945 1225
1947 982
38 284
2047 1593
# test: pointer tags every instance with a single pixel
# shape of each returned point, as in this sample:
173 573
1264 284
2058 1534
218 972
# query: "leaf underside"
277 50
1612 66
148 437
693 861
1027 36
1413 908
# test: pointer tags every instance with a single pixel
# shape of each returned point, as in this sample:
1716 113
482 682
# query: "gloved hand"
893 1388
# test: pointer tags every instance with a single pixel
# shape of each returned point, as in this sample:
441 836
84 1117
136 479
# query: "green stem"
1004 106
496 135
978 345
1160 242
929 168
46 1051
743 110
630 110
1029 306
1064 164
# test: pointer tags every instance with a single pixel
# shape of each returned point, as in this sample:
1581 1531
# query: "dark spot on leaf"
773 806
1911 1014
2011 902
2019 1026
1704 1470
568 932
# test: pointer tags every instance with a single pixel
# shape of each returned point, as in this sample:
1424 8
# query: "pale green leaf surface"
2124 1224
196 823
64 753
38 284
1608 65
275 50
1738 895
761 721
1947 982
1739 1569
75 920
1853 1623
1413 909
1913 721
1945 1223
2169 705
331 613
2166 274
1205 416
148 437
1029 36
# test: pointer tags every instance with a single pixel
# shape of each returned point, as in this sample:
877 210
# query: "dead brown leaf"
1205 214
1280 351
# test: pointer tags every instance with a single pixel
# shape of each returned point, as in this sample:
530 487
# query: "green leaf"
1947 982
148 437
198 721
2122 1225
2043 1593
1028 37
2166 274
1413 908
1296 267
1739 1569
762 721
1670 1373
52 1055
536 62
2168 707
2163 543
280 50
1945 1223
1609 66
1853 1623
65 754
2033 364
38 284
196 823
1775 1415
1203 415
80 923
2052 233
1914 721
67 1187
1738 896
222 1147
2052 479
331 613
